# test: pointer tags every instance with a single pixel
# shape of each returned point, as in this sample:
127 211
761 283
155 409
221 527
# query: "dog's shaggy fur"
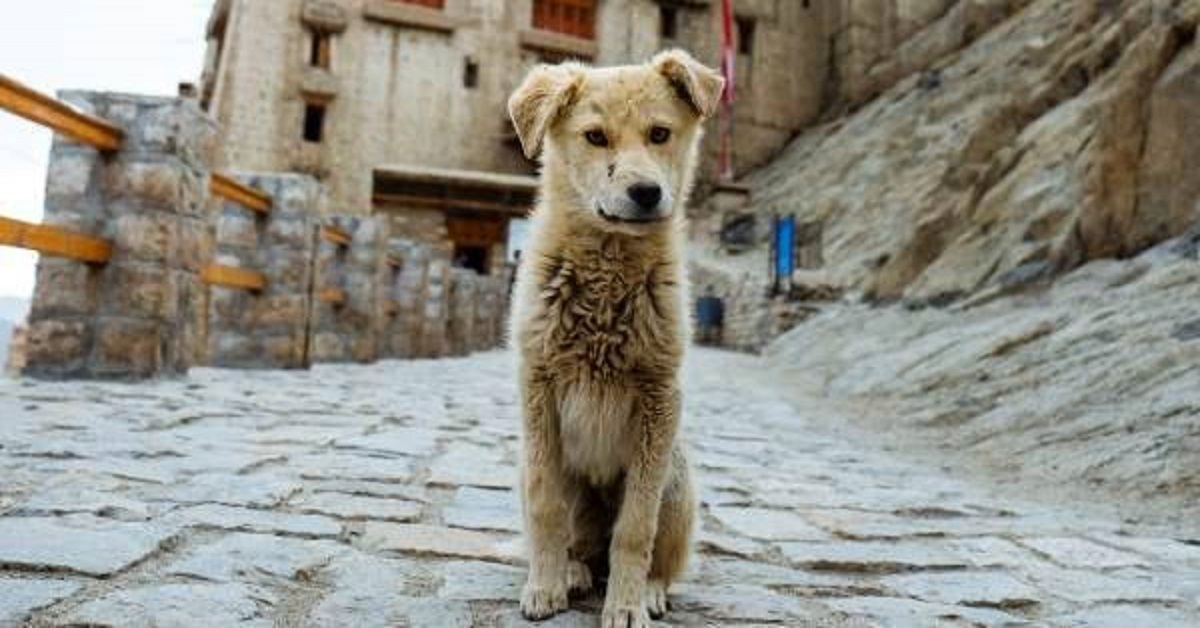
600 325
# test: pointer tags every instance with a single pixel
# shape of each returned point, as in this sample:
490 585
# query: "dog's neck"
574 239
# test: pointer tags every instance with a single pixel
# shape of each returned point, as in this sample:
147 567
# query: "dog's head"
619 145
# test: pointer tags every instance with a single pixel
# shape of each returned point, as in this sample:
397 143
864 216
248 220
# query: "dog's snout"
646 195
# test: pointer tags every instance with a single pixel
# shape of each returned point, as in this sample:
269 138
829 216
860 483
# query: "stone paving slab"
385 496
21 596
79 543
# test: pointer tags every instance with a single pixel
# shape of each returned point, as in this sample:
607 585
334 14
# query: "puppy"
600 323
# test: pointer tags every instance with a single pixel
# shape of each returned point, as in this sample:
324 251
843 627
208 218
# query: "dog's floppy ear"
697 84
546 94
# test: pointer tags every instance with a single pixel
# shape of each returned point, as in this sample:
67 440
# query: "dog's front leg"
637 523
544 492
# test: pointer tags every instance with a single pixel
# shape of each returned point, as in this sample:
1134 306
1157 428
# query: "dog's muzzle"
643 203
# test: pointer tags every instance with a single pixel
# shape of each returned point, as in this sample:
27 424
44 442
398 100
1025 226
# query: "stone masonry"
384 496
141 313
434 307
405 328
267 329
348 330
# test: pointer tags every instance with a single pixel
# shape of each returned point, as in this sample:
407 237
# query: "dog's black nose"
646 195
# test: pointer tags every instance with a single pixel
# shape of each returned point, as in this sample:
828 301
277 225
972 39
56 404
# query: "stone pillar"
431 342
141 314
349 330
463 301
408 324
494 315
267 329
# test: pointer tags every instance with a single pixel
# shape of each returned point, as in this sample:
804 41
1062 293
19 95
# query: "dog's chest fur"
606 318
607 313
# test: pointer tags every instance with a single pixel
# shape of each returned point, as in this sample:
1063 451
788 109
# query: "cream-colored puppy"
600 323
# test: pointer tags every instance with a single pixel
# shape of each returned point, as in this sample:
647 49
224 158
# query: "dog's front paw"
615 616
542 601
656 599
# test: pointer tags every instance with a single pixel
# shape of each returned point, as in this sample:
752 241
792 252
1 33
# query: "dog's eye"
660 135
596 137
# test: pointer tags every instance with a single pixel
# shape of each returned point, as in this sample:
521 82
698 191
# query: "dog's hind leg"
672 543
591 529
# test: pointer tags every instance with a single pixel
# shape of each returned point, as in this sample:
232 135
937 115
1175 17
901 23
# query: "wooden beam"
54 241
336 235
231 189
336 296
62 118
445 204
233 277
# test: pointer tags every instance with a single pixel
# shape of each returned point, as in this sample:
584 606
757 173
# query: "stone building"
398 106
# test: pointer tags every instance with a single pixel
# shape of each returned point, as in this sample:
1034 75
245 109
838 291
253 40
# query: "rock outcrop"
1088 386
1023 139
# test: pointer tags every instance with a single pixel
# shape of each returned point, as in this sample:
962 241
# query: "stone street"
382 496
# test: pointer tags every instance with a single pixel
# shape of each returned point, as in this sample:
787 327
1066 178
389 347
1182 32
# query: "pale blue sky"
141 46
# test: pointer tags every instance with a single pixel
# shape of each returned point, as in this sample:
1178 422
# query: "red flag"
728 48
729 69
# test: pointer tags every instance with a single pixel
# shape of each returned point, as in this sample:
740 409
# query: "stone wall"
160 304
406 327
348 329
267 329
142 313
753 315
434 308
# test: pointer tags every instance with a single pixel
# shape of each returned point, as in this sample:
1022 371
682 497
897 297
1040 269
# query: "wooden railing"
234 277
24 101
61 118
244 195
50 240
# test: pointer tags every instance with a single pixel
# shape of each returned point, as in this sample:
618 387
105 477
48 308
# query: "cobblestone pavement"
382 496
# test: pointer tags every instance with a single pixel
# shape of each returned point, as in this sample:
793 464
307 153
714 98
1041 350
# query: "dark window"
321 54
668 22
471 74
473 257
314 122
745 34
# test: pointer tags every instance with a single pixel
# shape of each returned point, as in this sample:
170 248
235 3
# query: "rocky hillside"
1086 387
1008 278
1063 133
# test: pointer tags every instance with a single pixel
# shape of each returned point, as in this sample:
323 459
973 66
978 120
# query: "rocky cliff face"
1088 387
1017 140
1030 169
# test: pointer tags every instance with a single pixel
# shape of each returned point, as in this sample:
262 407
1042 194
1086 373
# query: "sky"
139 46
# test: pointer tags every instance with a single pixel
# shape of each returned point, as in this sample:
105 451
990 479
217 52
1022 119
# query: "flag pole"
729 70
